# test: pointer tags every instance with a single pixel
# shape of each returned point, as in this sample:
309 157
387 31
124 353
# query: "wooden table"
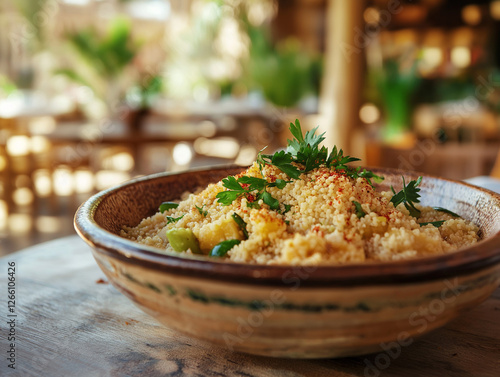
71 322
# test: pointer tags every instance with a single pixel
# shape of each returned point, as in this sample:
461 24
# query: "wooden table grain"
71 322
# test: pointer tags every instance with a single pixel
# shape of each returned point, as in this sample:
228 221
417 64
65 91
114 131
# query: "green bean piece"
222 248
359 210
182 239
165 206
241 224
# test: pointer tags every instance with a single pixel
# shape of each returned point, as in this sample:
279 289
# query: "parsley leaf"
279 183
227 197
267 198
368 175
247 186
232 184
300 142
283 161
337 159
171 219
408 196
359 210
202 211
165 206
253 183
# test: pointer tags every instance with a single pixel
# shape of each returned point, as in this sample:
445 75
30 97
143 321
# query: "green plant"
284 73
396 86
102 58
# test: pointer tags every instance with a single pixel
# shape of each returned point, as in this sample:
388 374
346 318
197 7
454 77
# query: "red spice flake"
245 185
127 323
250 198
318 231
330 203
271 178
102 281
348 239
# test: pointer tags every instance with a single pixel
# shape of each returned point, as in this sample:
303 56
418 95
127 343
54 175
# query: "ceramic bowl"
298 312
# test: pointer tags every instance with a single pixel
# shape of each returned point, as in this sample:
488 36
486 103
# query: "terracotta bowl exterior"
297 312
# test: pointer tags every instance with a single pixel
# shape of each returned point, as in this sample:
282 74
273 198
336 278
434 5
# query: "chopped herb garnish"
408 196
165 206
241 224
267 198
247 186
282 160
338 161
437 224
222 248
366 174
288 207
441 209
279 183
302 155
171 219
202 211
359 210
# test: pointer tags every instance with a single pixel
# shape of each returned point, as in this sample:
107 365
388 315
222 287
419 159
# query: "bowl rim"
485 253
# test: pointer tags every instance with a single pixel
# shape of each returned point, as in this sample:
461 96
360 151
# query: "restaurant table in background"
68 321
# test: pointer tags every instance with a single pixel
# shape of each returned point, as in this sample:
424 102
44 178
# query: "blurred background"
96 92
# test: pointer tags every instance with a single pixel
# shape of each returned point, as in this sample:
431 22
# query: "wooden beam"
343 74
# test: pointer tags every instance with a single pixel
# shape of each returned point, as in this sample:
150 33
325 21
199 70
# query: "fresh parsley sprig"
282 160
408 196
252 187
305 150
302 155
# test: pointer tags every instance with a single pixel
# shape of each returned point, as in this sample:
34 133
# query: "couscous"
288 209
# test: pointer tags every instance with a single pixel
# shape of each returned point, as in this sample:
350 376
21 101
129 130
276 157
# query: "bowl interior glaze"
99 220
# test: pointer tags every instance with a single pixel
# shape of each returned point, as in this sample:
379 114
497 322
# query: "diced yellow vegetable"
266 225
214 233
